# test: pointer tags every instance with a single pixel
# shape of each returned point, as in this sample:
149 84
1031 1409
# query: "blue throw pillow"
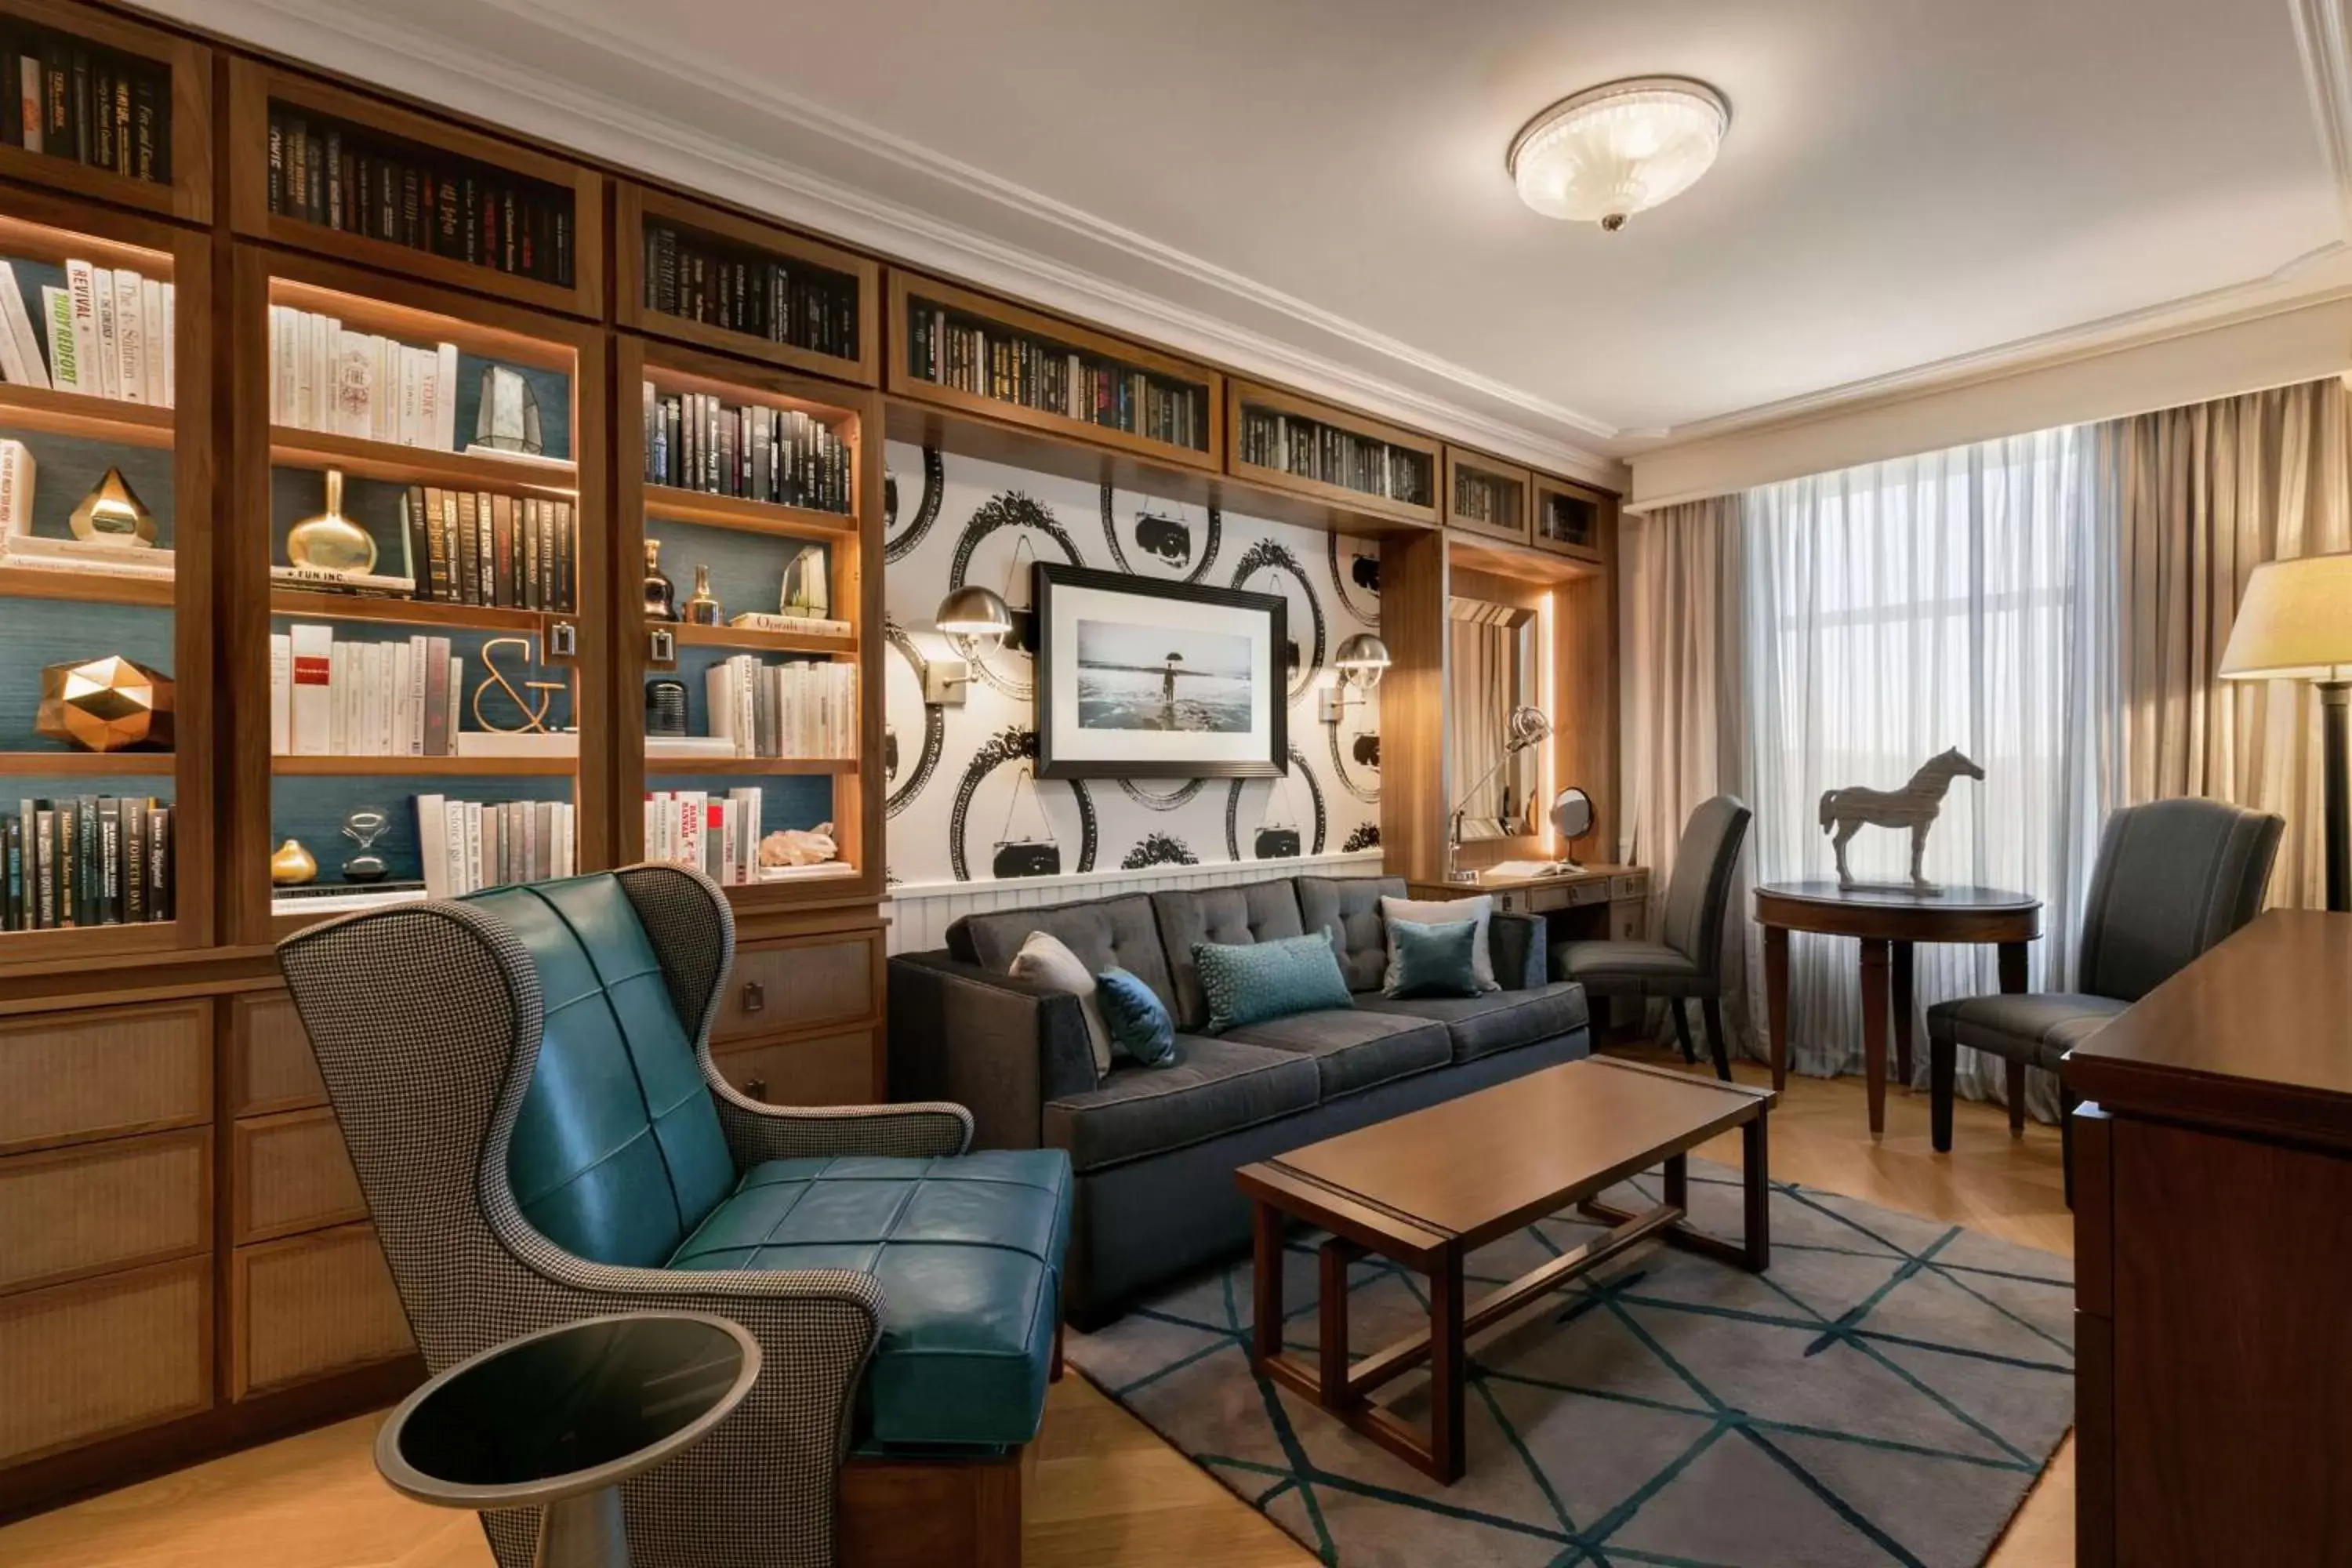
1435 960
1139 1025
1257 981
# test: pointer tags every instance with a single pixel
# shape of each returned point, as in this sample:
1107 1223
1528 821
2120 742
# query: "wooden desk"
2213 1258
1594 903
1888 920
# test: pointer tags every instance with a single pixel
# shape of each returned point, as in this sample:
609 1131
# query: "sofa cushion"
1496 1020
1632 968
1433 961
1478 909
1105 934
2036 1028
1348 908
1140 1028
1047 960
1253 981
616 1152
1216 1086
1229 917
968 1253
1354 1048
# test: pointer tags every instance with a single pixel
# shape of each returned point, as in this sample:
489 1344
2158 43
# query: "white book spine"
339 700
129 337
171 345
420 650
20 363
474 846
82 288
151 334
396 740
445 393
15 491
281 694
65 348
109 361
433 843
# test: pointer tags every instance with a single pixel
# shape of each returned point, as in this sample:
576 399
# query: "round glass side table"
557 1420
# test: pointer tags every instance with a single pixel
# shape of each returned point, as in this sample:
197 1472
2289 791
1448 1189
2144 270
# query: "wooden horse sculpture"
1915 806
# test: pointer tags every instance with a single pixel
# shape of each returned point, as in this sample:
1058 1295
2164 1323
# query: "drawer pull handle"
755 997
757 1088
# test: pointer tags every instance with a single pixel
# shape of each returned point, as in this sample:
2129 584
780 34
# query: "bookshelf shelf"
641 216
1569 520
834 767
407 612
751 516
91 418
1487 496
84 764
750 639
184 102
1412 460
86 587
1003 323
312 766
295 449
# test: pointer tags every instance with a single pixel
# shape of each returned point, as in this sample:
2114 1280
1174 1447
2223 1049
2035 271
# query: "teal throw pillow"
1139 1021
1257 981
1434 960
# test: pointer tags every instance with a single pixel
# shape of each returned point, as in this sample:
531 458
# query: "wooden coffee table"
1428 1188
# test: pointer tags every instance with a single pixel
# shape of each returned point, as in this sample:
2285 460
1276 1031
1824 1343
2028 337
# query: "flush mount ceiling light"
1619 149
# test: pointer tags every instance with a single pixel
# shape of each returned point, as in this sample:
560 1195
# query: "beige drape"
2202 495
1685 734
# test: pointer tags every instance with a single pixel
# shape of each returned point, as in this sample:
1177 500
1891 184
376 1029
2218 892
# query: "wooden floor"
1106 1494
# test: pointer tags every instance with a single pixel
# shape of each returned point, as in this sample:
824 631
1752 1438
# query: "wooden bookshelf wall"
229 1350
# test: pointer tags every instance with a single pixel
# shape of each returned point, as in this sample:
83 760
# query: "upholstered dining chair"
1686 963
2172 879
524 1080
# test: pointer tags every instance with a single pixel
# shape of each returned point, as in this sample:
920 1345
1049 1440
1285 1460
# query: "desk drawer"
66 1213
105 1355
832 1070
800 983
1629 885
270 1063
103 1072
290 1172
311 1305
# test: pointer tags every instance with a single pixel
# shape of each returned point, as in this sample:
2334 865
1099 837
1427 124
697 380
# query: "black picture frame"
1053 575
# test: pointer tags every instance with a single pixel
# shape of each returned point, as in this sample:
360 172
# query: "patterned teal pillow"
1139 1021
1434 960
1257 981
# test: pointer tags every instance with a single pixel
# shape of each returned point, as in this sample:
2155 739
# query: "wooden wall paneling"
634 204
1587 685
1242 394
1414 574
100 1356
253 84
104 1072
290 1172
189 193
65 1213
310 1305
270 1063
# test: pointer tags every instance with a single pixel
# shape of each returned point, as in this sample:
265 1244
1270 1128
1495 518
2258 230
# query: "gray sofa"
1154 1148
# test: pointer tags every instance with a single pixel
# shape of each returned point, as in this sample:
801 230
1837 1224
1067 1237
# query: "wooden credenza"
2213 1251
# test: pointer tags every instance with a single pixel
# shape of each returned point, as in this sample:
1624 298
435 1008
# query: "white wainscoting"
921 913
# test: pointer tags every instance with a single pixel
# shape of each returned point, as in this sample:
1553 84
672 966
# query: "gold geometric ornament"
112 514
109 704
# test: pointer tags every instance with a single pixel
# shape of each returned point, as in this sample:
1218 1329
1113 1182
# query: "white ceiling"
1320 182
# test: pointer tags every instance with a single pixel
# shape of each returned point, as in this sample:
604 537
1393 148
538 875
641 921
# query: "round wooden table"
1888 919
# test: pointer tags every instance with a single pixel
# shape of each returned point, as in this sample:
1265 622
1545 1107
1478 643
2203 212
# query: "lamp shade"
974 612
2294 623
1363 659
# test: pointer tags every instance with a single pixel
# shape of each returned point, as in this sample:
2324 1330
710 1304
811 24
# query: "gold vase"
112 514
332 541
702 608
292 865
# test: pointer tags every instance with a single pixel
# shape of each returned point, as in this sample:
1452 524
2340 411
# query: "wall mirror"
1492 664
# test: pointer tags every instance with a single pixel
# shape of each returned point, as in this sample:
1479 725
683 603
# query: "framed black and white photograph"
1144 678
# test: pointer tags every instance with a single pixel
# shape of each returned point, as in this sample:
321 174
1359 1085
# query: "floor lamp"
2295 624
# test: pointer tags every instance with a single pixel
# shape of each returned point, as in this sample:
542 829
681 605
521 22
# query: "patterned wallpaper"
964 805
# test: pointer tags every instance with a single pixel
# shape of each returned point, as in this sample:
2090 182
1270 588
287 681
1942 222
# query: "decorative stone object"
1915 806
109 704
798 847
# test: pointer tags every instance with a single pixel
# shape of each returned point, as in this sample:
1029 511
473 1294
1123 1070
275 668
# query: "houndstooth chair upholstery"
427 1021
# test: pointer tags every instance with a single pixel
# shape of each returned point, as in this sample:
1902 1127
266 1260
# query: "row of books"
365 182
346 698
705 280
466 845
720 837
1484 498
100 106
104 331
798 708
1328 455
86 860
989 362
323 378
697 441
515 552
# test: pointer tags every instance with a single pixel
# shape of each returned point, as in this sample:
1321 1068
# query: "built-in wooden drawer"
104 1072
270 1067
290 1172
832 1070
1625 922
1630 885
310 1305
104 1355
802 983
66 1213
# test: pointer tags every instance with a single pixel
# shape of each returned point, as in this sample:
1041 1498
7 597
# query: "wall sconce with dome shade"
971 611
1360 661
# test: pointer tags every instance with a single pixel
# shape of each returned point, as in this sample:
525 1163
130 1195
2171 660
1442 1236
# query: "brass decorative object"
661 594
364 827
109 704
534 709
332 541
291 865
112 514
702 608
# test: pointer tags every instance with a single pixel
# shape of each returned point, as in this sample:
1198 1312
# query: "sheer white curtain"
1962 598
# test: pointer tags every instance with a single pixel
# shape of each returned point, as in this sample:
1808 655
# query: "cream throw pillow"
1047 960
1438 912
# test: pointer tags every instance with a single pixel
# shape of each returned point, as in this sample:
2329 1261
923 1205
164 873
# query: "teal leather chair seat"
968 1253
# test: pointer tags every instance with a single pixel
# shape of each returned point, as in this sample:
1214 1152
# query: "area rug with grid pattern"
1886 1392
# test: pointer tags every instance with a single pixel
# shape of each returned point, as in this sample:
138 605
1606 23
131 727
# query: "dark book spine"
566 541
161 854
12 866
449 216
485 551
146 135
561 225
109 904
68 883
126 156
44 849
78 75
510 245
134 860
101 115
338 183
57 97
90 894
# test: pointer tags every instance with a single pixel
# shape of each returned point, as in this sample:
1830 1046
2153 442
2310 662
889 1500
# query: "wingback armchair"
524 1080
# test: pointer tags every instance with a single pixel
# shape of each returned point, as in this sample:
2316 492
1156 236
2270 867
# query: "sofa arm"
1002 1047
1520 949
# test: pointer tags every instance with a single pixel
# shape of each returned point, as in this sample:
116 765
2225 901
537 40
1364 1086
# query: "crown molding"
362 42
